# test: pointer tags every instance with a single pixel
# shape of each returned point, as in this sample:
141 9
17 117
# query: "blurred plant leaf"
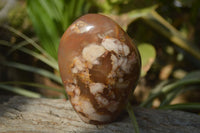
170 96
44 26
192 78
193 75
148 55
156 90
20 91
19 45
165 28
38 56
183 106
39 71
51 18
132 116
32 84
138 13
29 40
151 17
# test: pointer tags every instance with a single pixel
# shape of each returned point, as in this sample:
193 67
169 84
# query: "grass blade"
132 116
165 28
5 43
190 79
184 106
31 84
33 43
39 71
168 98
167 89
151 17
20 91
38 56
19 45
51 9
45 27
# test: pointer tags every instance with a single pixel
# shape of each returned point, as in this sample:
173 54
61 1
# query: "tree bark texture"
27 115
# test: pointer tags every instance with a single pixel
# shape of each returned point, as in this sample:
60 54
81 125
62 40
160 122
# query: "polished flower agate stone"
99 66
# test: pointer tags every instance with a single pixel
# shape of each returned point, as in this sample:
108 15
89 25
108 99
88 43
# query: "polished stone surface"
99 66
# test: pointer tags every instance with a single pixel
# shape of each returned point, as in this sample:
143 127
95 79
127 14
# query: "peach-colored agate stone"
99 66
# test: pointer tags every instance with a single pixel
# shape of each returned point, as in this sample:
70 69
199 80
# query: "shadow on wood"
20 114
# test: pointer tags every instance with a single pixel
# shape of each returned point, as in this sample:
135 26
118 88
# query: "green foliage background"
155 25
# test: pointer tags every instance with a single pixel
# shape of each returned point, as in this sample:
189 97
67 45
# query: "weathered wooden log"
21 114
